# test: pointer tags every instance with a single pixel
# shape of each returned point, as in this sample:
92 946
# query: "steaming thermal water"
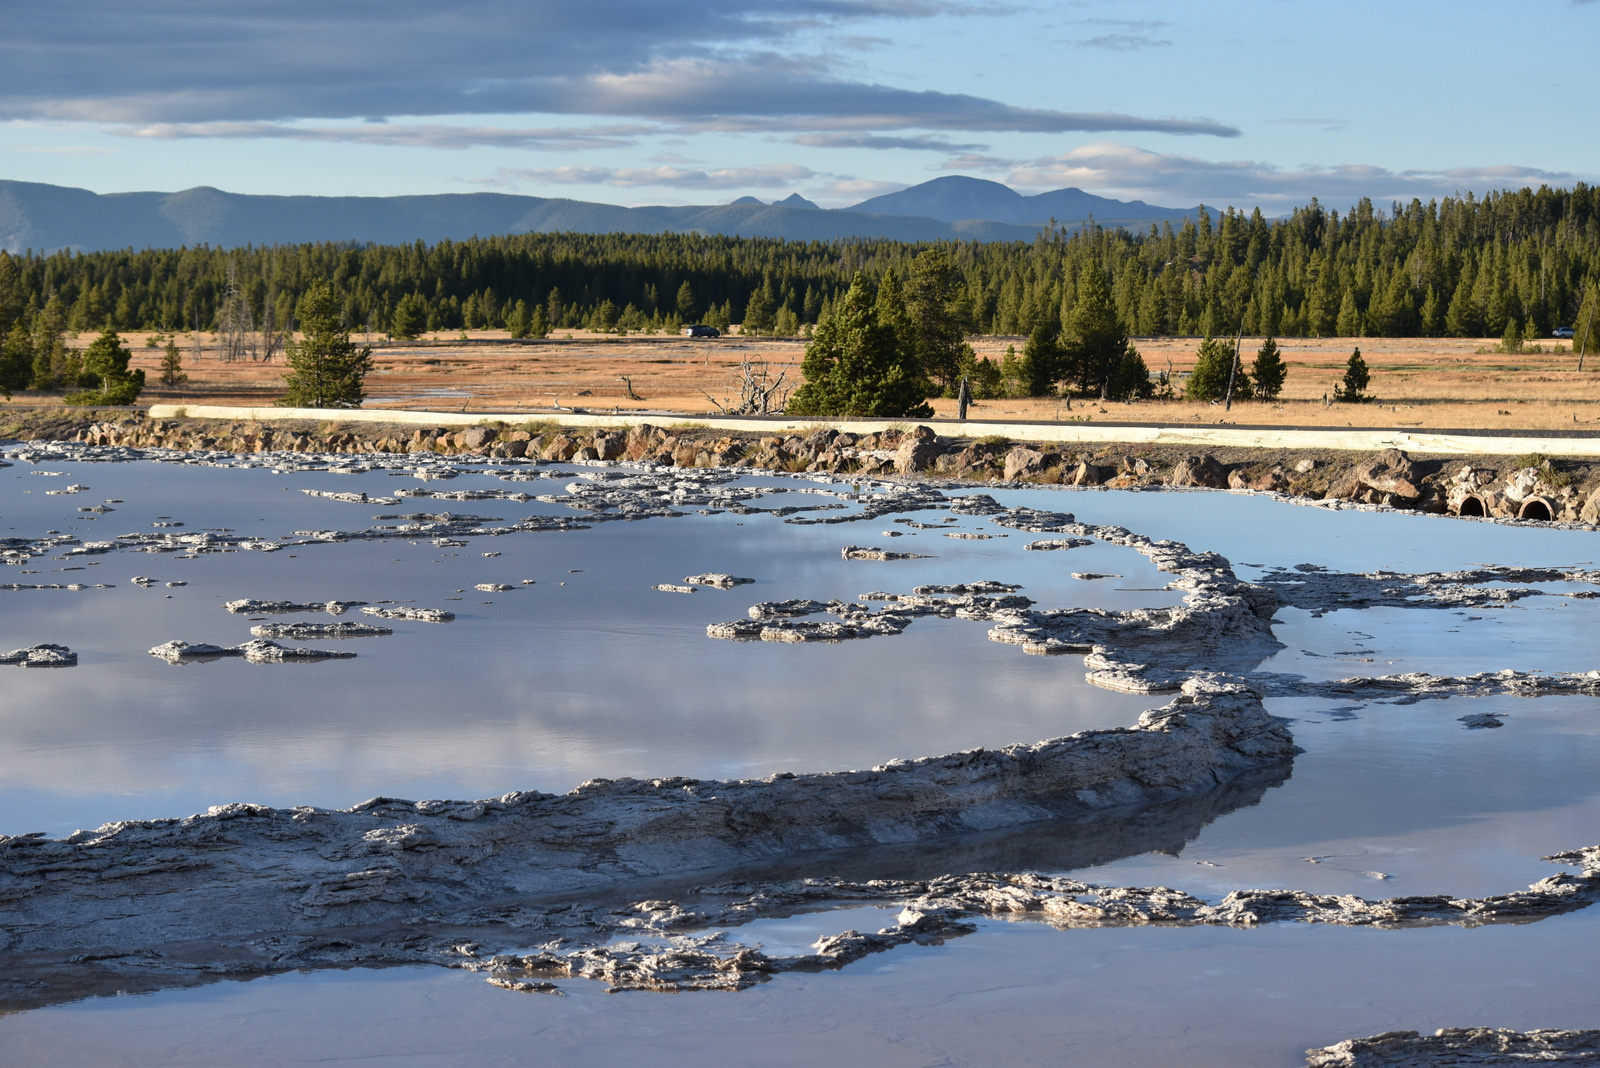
550 684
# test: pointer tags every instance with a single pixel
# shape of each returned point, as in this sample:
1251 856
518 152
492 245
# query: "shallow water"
1012 994
589 671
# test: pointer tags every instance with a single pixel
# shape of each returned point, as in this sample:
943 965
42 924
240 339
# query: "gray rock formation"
250 607
857 552
1390 473
420 615
1204 471
918 450
319 630
258 651
41 656
1024 462
717 579
1459 1047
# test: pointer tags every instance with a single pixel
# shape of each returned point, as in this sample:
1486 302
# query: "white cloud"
1126 172
841 192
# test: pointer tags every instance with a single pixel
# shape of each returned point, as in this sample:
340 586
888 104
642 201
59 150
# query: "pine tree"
1511 340
519 321
1586 328
786 323
105 364
52 366
410 317
1268 371
1132 378
1213 365
1349 322
1041 364
685 302
758 312
326 369
538 322
16 359
1356 377
937 328
172 375
854 366
1095 343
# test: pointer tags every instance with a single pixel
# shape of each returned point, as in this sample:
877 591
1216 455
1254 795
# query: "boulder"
610 446
560 447
1391 471
918 450
1275 480
1086 474
1522 484
1590 512
475 437
1203 471
1023 462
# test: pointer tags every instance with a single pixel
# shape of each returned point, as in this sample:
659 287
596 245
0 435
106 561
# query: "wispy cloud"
764 176
928 143
977 161
409 135
1121 35
1124 42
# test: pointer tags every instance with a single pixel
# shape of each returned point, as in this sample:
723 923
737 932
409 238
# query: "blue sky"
1254 102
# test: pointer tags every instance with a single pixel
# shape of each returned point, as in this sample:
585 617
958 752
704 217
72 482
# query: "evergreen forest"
1523 262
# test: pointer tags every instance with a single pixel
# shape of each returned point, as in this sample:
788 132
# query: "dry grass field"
1423 383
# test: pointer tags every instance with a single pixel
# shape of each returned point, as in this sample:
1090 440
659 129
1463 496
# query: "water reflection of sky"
590 672
587 672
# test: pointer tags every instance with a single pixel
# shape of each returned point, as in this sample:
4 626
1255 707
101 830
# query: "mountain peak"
958 198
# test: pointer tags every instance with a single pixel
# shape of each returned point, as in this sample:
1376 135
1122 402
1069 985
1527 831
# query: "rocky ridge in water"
249 868
1460 1047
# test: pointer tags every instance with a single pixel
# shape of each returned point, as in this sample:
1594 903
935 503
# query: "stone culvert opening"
1536 508
1471 504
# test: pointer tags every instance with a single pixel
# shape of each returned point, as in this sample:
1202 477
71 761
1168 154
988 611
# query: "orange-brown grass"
1417 382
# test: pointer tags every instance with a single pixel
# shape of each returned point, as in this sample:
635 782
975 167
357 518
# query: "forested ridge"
1457 267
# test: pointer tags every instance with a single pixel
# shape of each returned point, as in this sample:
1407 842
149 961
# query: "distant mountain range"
48 217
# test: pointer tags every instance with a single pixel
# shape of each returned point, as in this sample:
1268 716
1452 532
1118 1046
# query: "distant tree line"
1513 263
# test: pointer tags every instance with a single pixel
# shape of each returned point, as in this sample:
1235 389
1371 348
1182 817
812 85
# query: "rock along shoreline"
1533 487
